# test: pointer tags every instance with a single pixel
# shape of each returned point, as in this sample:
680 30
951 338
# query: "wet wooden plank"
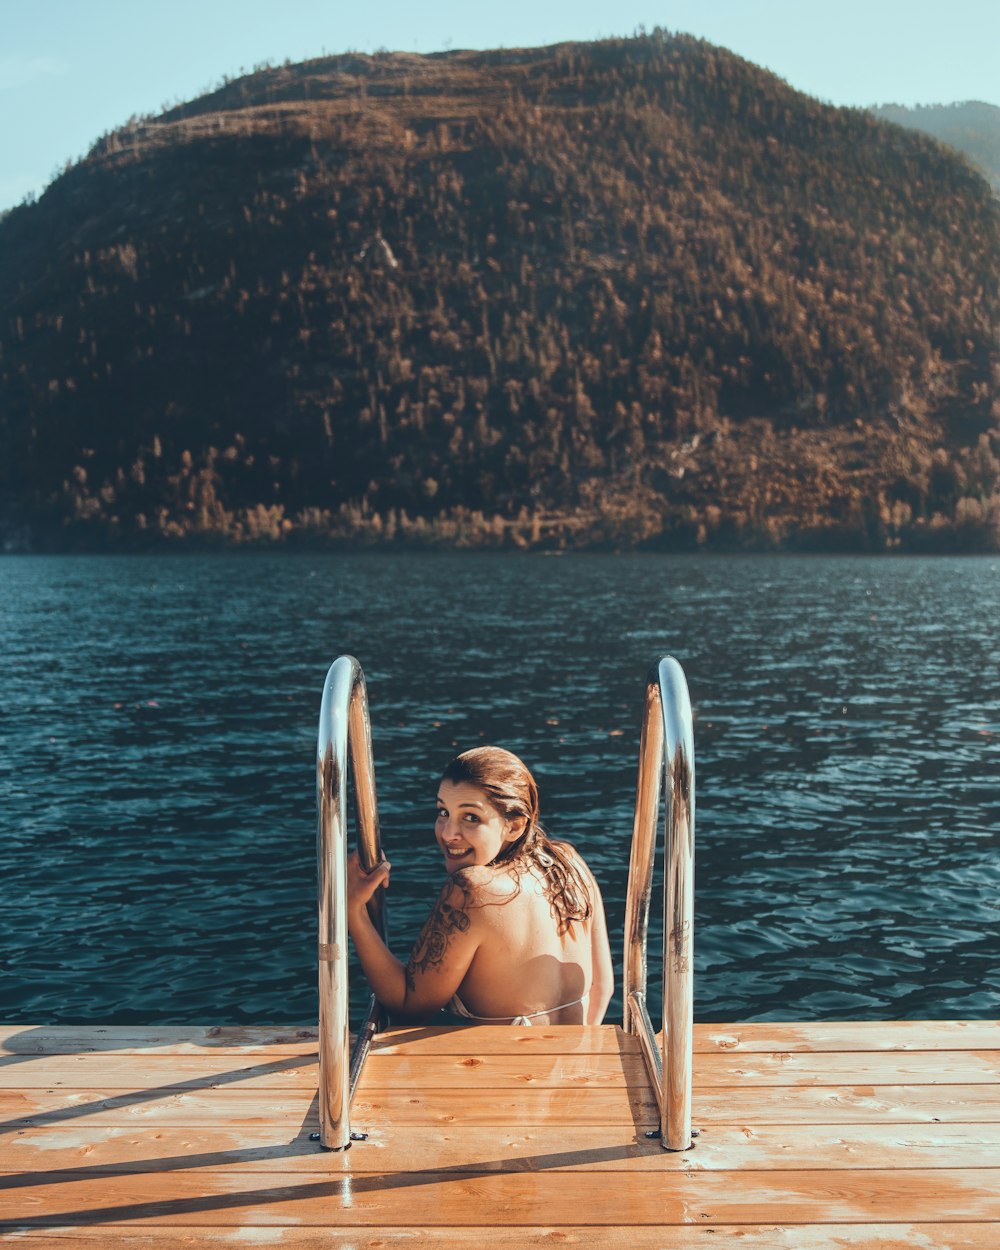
941 1067
415 1039
22 1039
882 1236
431 1107
94 1071
849 1035
556 1039
732 1105
490 1070
267 1148
505 1039
962 1067
427 1199
954 1104
161 1072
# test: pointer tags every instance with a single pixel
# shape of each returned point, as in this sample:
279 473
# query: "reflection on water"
158 721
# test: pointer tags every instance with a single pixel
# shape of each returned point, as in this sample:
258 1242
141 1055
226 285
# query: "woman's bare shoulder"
483 884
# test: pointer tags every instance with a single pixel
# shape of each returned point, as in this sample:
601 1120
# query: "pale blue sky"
72 69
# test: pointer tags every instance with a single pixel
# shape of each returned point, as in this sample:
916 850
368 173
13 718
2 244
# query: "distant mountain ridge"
634 292
971 127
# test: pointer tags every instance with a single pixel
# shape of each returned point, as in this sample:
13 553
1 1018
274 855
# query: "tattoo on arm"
444 921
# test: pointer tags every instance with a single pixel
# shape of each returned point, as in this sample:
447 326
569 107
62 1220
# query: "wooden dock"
812 1135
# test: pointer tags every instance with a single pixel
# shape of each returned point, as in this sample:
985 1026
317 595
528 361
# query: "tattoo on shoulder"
442 924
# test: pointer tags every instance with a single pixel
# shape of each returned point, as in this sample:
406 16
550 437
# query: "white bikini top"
459 1008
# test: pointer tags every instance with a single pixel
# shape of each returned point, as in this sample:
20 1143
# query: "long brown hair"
510 788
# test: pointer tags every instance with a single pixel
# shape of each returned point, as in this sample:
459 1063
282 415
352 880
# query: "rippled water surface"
157 738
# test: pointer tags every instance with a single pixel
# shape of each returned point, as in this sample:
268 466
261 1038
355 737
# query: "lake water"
157 741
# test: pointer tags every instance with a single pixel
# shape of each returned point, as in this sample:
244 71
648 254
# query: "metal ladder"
344 733
666 763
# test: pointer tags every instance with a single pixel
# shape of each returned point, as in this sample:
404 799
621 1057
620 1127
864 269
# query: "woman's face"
469 829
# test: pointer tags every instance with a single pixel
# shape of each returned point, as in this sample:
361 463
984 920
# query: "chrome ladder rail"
344 735
666 763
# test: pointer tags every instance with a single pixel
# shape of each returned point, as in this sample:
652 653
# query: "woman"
517 935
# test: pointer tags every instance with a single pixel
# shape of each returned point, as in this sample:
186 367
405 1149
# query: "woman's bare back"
523 965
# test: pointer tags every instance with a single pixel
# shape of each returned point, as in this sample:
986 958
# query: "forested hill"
634 291
971 127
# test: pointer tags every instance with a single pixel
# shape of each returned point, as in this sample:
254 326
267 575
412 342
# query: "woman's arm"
440 958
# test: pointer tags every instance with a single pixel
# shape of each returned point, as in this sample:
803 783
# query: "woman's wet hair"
510 788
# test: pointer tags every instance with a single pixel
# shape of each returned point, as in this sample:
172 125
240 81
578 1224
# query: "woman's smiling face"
469 829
